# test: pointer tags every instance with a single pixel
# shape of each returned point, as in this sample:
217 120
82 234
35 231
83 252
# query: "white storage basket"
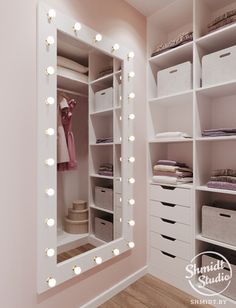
174 79
219 67
104 198
103 99
208 260
103 229
219 224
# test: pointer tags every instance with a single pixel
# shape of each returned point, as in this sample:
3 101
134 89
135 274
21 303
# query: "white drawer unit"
103 99
170 228
165 261
170 245
219 67
174 79
169 194
104 198
170 211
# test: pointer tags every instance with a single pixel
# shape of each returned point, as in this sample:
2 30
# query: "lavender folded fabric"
170 163
219 132
221 185
224 172
228 179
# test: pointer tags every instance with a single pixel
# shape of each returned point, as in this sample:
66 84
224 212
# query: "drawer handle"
225 215
103 93
225 55
168 204
173 71
168 221
168 254
168 238
168 187
103 191
103 223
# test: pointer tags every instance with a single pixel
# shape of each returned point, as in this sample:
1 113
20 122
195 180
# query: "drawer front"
170 228
170 245
167 262
169 194
170 211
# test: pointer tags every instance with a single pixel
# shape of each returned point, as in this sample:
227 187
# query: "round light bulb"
116 47
120 219
120 138
98 37
50 252
131 180
120 98
131 95
120 179
131 201
132 116
132 159
50 131
131 138
76 270
51 282
50 192
50 70
98 260
50 222
131 75
50 101
120 78
50 40
51 14
131 244
120 118
120 199
120 159
50 162
131 55
77 26
131 223
116 251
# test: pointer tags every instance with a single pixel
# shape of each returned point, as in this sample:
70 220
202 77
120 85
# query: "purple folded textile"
170 163
224 172
104 140
219 132
106 173
221 185
223 178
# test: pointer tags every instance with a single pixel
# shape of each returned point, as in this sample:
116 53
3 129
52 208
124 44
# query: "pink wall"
114 18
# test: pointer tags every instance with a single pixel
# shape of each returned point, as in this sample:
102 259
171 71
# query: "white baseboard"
105 296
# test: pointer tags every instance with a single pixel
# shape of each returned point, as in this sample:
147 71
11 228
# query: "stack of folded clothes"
104 140
223 179
222 21
182 39
106 169
217 132
168 135
172 172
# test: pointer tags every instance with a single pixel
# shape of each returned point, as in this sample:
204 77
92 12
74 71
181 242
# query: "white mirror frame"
49 272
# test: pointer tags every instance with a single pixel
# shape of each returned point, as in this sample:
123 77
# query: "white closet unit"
175 210
89 123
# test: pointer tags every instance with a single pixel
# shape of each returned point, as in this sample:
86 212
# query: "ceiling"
147 7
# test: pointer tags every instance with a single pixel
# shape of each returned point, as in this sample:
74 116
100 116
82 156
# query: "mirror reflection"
89 130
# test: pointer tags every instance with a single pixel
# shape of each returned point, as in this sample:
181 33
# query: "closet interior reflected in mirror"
89 109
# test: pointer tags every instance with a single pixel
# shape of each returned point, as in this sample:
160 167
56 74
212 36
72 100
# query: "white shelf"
171 140
200 237
222 191
177 98
173 56
101 209
106 78
220 90
221 138
69 82
101 176
64 238
102 113
101 144
218 39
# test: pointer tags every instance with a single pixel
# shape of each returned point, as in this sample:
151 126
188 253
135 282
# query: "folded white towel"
170 180
72 65
173 135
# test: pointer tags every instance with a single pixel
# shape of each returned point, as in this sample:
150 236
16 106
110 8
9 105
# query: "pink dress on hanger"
66 118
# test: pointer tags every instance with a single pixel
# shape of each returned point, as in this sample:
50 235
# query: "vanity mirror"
85 148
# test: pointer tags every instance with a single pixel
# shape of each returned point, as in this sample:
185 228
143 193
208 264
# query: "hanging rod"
72 92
